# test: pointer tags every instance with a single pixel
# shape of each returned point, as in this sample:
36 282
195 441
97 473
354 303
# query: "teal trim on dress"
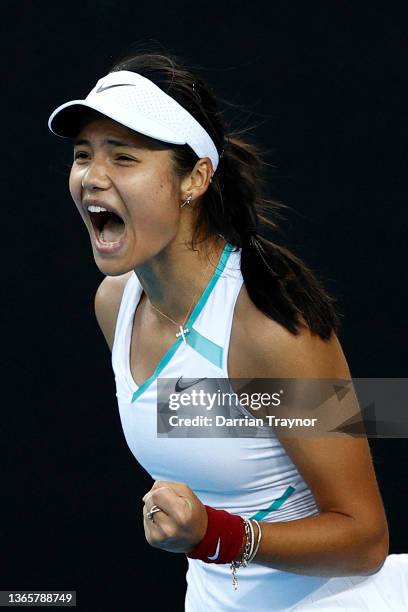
205 347
274 506
196 311
218 271
162 364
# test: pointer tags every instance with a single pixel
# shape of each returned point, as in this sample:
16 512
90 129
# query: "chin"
112 268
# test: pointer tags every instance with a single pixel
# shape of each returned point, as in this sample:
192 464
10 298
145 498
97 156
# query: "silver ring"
153 510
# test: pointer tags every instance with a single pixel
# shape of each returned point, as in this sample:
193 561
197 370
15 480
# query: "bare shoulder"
263 348
107 302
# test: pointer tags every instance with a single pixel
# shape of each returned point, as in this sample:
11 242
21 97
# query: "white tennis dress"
253 477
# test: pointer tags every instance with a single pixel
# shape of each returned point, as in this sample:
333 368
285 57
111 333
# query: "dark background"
326 85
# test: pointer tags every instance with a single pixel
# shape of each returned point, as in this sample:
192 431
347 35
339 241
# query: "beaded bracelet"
250 550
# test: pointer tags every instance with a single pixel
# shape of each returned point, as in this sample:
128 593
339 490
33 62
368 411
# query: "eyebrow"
109 141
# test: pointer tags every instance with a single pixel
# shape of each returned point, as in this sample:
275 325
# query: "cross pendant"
182 333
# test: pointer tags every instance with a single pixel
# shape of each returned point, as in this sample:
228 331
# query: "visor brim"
67 120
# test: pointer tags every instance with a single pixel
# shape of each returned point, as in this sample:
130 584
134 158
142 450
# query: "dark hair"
277 281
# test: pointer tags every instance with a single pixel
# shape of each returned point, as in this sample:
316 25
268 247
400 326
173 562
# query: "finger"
188 502
152 498
159 529
153 519
179 487
145 496
172 504
153 530
159 520
164 483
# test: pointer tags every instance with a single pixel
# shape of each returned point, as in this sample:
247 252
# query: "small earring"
187 201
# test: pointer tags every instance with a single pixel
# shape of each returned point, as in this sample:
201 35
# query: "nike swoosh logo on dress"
180 386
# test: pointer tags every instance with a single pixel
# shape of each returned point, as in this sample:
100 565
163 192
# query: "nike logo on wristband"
217 552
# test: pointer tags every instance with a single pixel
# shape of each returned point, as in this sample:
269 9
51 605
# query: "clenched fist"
182 521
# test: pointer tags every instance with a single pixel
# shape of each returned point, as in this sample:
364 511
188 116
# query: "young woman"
193 288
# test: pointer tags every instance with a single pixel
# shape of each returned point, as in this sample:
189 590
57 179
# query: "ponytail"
277 281
283 287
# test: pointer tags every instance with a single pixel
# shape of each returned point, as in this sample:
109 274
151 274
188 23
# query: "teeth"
96 209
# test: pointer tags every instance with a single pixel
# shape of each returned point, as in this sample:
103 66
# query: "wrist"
241 549
223 539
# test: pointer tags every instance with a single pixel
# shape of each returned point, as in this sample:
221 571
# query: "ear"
198 180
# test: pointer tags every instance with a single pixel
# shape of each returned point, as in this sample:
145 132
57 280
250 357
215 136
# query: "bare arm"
107 302
350 535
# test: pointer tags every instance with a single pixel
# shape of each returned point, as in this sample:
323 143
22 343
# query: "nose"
95 177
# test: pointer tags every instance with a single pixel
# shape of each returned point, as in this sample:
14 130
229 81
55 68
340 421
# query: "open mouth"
108 226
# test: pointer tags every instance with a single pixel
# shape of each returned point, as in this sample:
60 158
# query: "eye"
123 157
80 155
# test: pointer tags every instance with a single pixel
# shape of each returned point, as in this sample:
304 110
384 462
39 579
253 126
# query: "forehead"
99 129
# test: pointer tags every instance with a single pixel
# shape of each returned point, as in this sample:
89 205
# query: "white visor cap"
135 102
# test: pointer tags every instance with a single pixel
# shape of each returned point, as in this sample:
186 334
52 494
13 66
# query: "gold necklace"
183 330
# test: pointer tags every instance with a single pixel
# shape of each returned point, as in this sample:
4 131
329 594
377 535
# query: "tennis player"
194 290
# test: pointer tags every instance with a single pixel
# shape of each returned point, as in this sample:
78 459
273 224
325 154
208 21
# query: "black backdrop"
325 83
